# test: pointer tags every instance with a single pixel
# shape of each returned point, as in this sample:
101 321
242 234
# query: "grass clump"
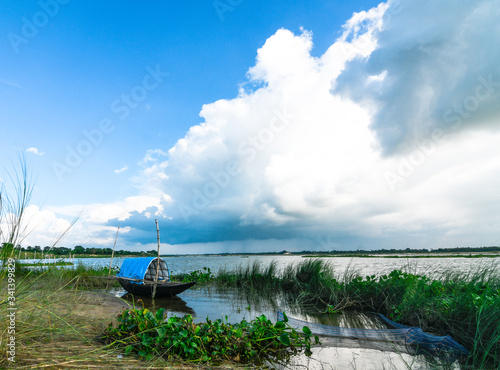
77 277
148 335
465 306
44 319
200 276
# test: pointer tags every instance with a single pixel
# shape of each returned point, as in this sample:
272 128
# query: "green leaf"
284 339
160 313
149 315
306 330
280 325
129 349
161 331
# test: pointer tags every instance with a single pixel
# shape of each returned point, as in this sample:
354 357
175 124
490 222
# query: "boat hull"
163 290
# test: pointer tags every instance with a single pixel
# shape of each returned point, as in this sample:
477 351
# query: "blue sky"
255 125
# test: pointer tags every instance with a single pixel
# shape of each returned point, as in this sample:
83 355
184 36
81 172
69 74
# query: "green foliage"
465 306
200 276
76 277
41 264
148 334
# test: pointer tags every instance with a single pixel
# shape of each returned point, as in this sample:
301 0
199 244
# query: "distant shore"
459 252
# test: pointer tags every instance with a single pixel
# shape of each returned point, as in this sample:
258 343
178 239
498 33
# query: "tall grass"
463 305
48 331
13 206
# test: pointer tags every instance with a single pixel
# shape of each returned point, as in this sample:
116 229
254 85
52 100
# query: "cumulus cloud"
34 151
274 157
386 140
152 155
305 155
38 227
97 223
435 67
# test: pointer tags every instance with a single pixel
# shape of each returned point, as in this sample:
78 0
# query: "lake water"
334 353
364 266
214 303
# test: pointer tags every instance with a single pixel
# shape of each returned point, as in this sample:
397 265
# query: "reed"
464 305
51 326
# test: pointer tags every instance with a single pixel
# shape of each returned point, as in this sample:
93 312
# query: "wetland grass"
57 324
46 321
465 306
59 320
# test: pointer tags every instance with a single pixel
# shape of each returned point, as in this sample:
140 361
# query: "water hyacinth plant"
148 334
465 306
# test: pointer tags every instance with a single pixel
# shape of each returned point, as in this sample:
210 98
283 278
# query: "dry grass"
61 330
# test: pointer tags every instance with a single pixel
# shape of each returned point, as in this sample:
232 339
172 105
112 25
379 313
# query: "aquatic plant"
200 276
463 305
148 334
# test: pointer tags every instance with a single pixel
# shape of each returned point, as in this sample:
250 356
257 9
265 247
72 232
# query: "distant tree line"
64 251
78 249
407 250
371 251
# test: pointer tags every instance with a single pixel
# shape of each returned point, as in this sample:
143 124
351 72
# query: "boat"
137 276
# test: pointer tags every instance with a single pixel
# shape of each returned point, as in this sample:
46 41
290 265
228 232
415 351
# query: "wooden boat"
165 289
137 276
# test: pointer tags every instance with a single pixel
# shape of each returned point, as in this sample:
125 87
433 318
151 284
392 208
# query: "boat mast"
112 255
158 261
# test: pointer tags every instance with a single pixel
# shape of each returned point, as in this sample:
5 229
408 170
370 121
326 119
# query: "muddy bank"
98 305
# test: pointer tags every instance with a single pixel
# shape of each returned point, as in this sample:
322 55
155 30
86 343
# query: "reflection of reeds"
463 305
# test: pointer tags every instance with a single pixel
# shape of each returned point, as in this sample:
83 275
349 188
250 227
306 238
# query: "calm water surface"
362 265
230 305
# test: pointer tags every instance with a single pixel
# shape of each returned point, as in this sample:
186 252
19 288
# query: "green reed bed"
52 326
46 320
463 305
42 264
79 276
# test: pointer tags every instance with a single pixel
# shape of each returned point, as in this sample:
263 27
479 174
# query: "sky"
253 126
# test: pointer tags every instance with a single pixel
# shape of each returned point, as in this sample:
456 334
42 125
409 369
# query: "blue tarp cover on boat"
135 268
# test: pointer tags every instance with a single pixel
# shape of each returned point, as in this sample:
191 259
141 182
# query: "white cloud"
34 151
439 63
295 158
93 226
38 227
11 83
123 169
350 147
152 155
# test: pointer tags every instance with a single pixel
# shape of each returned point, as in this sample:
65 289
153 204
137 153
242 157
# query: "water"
334 353
215 303
362 265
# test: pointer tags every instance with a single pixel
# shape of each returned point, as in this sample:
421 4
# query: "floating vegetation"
149 335
463 305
